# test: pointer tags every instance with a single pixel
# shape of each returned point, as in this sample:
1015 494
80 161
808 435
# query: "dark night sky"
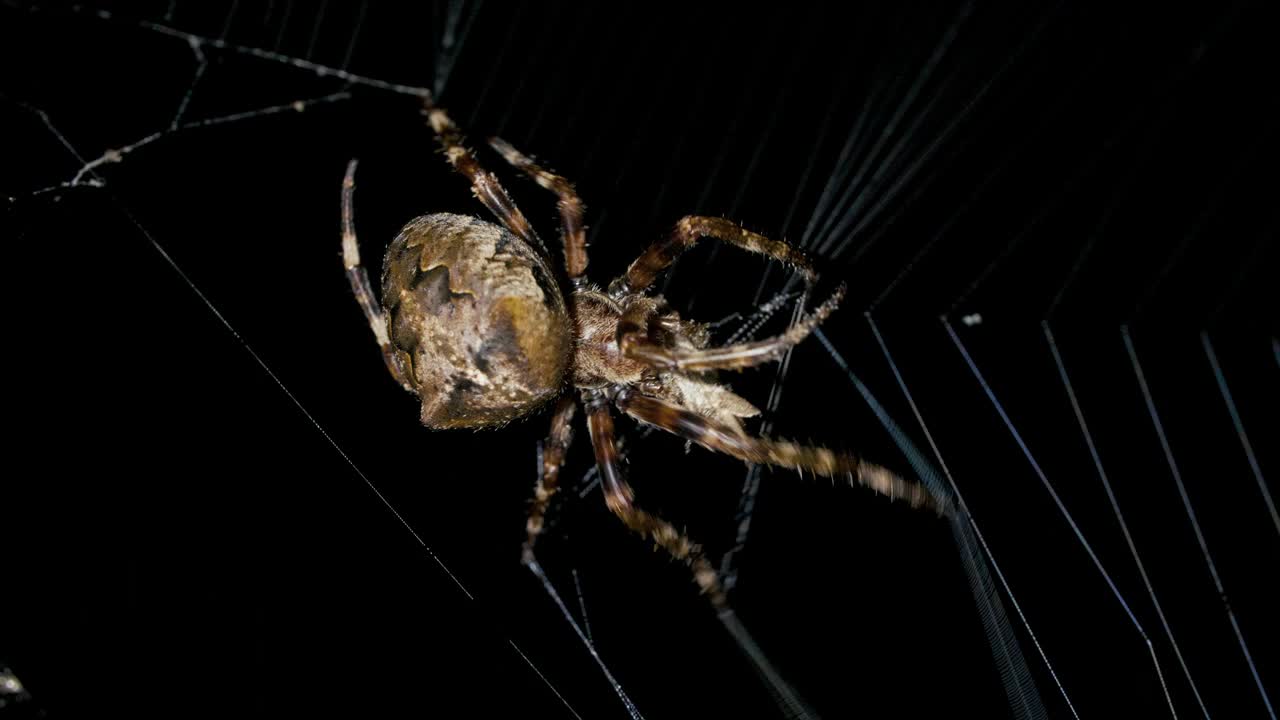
184 539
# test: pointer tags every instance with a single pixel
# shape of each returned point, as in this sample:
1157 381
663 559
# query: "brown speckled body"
599 362
474 323
477 317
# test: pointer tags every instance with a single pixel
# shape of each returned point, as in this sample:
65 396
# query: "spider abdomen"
479 318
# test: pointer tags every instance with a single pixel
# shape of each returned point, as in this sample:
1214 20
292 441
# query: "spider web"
1073 194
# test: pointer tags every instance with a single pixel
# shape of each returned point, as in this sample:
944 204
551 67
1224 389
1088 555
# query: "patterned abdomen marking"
478 317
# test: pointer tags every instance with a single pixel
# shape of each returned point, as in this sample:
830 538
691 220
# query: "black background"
182 539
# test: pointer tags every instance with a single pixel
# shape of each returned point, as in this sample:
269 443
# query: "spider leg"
621 501
360 282
634 341
661 254
779 453
484 184
570 205
553 453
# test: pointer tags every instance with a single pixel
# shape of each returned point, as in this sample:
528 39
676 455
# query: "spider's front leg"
621 501
641 274
779 453
635 342
554 450
359 280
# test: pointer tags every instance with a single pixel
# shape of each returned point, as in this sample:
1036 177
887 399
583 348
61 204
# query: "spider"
474 322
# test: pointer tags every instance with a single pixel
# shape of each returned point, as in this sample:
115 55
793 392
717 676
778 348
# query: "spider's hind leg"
553 454
570 205
360 282
484 184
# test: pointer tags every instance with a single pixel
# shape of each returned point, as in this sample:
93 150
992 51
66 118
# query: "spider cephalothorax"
475 324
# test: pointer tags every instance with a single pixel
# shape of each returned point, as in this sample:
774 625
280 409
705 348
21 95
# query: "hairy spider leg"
573 232
360 282
484 184
559 437
633 325
634 341
621 501
662 253
779 453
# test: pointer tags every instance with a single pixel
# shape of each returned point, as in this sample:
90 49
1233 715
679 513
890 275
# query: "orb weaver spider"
475 323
